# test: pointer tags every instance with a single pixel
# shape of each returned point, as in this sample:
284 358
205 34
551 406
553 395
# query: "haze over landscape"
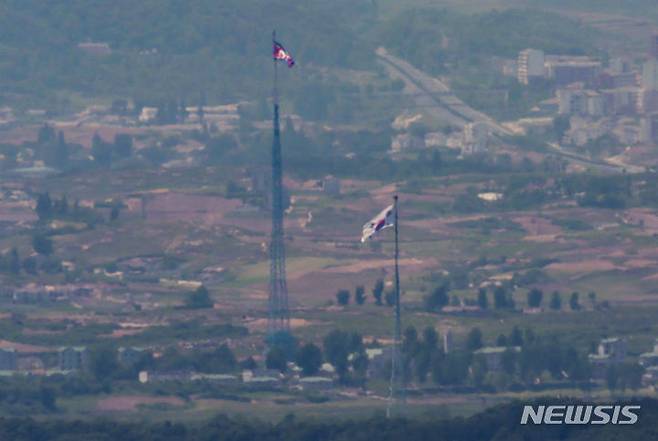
137 200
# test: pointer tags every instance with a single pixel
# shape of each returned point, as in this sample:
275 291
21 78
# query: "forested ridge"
170 47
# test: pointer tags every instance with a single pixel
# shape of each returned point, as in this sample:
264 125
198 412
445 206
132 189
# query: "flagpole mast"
395 356
275 90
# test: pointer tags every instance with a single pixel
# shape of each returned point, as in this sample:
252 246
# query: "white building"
476 137
650 75
530 65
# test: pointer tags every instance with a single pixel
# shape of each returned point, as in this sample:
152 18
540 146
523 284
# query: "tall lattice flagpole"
279 313
396 386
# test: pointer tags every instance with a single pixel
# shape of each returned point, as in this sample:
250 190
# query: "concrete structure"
31 364
448 343
72 358
224 379
611 351
476 138
404 141
316 383
493 356
619 65
150 377
530 65
565 70
379 361
650 75
148 114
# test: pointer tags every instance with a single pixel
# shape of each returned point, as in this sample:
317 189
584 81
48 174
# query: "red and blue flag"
280 53
378 223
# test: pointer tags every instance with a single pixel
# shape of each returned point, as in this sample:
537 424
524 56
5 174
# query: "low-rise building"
379 361
224 379
611 351
493 356
72 358
530 65
316 383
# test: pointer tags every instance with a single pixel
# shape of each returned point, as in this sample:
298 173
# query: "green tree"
436 163
248 363
360 295
61 153
199 299
500 298
44 207
101 151
535 297
483 300
309 358
389 298
556 301
343 297
276 359
123 145
516 337
574 302
378 291
114 212
438 298
337 346
508 361
42 244
104 363
14 262
474 339
46 134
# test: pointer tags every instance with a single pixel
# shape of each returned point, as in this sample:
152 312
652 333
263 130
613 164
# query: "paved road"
434 94
441 103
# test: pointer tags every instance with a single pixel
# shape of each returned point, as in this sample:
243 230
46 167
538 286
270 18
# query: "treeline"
345 351
523 359
498 423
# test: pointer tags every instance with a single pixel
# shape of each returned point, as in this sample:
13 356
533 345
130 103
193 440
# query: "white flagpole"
395 356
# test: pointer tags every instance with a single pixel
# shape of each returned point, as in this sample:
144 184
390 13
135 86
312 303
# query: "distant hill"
170 47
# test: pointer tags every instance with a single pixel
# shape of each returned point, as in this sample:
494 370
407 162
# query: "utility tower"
279 314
